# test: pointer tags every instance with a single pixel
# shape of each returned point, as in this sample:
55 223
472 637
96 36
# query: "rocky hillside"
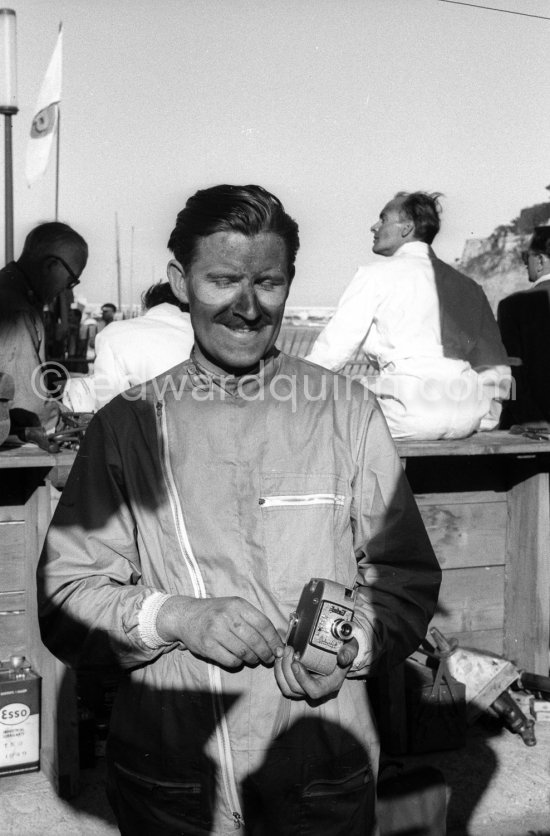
495 262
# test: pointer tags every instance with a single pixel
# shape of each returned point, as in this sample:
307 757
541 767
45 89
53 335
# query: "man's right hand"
229 631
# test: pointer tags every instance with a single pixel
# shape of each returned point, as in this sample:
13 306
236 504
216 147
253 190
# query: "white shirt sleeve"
352 320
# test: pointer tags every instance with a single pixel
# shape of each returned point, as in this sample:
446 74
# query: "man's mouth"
241 326
244 329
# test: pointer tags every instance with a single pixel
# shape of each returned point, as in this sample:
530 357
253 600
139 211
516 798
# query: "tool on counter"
487 678
536 433
73 427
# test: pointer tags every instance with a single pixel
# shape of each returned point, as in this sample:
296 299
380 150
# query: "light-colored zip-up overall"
211 487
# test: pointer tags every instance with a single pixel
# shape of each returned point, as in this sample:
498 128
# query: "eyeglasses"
74 278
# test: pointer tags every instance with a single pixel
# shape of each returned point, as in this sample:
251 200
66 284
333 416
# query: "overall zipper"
301 499
214 675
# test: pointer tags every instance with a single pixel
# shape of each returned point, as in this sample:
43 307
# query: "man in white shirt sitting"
426 329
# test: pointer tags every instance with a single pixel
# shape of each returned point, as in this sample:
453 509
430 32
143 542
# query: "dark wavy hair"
245 209
540 241
424 210
158 293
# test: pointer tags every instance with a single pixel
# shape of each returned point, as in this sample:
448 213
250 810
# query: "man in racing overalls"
199 505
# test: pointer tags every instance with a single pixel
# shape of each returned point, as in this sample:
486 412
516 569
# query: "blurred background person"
52 260
524 321
132 351
108 313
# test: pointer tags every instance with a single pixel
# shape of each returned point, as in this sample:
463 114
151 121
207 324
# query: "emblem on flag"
46 119
44 122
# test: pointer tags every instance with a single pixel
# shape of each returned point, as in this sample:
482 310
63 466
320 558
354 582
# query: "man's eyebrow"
218 272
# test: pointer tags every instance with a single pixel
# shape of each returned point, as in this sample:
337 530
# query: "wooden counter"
28 494
485 503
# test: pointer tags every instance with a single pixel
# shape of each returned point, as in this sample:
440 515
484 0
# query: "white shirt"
391 309
129 352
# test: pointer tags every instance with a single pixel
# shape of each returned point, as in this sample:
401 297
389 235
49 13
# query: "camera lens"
342 629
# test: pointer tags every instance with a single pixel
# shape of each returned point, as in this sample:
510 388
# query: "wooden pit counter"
485 503
29 482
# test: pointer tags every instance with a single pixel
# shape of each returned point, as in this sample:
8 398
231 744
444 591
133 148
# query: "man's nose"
375 227
247 304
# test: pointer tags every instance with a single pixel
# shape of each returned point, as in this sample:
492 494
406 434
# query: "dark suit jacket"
469 330
524 320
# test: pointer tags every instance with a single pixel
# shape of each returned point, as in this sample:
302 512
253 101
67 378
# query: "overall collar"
204 375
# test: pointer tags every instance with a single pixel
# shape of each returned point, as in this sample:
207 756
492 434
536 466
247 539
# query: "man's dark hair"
109 305
42 238
158 293
423 209
540 242
245 209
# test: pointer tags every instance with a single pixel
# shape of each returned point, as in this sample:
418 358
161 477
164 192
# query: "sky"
333 105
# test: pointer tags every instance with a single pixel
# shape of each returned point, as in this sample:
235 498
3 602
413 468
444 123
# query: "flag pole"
131 288
118 276
57 163
8 107
57 146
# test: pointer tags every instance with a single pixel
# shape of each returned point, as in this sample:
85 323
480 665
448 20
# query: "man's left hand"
296 682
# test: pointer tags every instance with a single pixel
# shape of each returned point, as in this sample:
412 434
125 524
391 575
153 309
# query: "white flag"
46 117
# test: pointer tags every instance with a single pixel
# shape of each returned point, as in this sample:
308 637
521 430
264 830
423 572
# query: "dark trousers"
274 804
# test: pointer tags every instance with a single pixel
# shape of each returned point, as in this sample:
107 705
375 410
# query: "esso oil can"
19 717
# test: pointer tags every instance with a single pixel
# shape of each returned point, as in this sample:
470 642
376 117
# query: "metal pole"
8 188
8 106
118 270
57 144
131 283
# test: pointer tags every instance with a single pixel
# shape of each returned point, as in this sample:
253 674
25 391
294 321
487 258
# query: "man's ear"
407 227
540 263
176 277
48 263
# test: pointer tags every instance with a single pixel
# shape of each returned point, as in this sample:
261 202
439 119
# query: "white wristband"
147 620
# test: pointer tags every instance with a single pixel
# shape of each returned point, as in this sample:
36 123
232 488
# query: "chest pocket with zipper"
305 518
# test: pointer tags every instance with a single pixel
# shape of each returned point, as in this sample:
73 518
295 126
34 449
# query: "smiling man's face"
236 288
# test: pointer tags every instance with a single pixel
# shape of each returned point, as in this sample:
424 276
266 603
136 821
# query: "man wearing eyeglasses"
52 261
524 320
